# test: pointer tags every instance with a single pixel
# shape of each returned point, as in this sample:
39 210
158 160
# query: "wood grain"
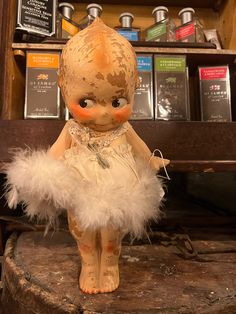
227 25
41 275
8 75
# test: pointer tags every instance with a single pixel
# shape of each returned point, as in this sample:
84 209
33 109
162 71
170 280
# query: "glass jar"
93 10
66 28
164 27
126 29
191 29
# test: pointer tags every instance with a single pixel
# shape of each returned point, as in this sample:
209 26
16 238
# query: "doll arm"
62 143
140 149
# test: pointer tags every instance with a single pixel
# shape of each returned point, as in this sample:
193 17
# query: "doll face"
98 76
101 113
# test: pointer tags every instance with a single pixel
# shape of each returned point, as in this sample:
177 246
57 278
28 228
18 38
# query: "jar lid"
160 8
127 14
94 5
186 10
66 4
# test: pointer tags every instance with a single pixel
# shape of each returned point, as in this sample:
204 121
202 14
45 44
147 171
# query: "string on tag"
162 158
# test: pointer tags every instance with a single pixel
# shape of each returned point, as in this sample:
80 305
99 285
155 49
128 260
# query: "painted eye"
86 103
119 102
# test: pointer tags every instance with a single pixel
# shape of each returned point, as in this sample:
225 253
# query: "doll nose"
104 111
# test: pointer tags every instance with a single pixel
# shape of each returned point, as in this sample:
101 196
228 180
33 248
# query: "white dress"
97 180
113 188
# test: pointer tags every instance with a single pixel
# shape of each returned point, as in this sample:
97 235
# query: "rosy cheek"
81 113
123 114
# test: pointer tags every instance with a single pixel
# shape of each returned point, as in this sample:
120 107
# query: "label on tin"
213 73
144 63
170 64
157 32
68 29
130 35
186 33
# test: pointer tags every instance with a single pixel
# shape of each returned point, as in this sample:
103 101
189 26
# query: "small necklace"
94 138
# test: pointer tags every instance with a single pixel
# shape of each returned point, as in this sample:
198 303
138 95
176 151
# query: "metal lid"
66 4
186 10
127 14
160 8
126 19
94 5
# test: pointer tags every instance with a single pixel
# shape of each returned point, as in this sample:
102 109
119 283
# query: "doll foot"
109 279
109 272
88 279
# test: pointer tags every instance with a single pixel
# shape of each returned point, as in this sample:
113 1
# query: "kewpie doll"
98 168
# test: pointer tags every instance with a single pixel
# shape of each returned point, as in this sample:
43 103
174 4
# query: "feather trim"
127 208
43 184
46 186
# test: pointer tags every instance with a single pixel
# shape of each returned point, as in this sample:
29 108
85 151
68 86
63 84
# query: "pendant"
101 161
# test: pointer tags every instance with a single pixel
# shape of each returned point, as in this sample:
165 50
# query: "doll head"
98 77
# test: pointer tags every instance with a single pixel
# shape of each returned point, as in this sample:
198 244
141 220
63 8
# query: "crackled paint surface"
100 61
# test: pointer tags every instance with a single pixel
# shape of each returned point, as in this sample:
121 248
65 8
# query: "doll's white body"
116 188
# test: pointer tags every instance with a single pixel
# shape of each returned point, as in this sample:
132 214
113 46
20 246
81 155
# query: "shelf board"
186 166
195 56
206 166
141 48
191 146
38 46
213 4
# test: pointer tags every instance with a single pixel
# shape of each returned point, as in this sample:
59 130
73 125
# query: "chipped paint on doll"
98 169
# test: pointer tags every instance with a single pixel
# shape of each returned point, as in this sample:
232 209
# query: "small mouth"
103 127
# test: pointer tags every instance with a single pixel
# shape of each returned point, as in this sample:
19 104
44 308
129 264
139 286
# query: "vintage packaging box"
143 99
171 87
42 94
215 93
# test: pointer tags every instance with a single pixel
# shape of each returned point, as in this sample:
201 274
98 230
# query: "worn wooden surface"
40 276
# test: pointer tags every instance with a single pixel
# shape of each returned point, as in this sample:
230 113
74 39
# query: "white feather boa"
46 186
43 184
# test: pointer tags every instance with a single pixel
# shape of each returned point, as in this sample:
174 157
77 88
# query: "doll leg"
109 271
89 252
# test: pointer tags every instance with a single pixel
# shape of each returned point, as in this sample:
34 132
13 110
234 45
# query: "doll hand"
157 162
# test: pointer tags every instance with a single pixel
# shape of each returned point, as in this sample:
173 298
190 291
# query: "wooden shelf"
196 56
191 146
207 166
214 4
30 46
143 48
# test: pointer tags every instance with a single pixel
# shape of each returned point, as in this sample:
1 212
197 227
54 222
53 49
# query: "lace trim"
86 136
